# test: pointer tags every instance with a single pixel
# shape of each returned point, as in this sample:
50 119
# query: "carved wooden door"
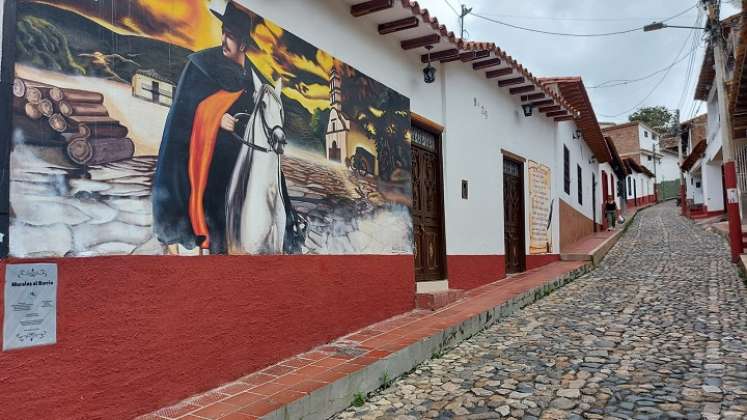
513 215
427 207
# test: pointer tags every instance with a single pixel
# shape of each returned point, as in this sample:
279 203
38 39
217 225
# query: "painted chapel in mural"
155 127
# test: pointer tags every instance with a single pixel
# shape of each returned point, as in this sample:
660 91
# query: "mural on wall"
154 127
540 208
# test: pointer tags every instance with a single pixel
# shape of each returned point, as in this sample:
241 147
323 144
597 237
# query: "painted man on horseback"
199 148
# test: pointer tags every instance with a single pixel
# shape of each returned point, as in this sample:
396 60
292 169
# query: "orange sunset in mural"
191 25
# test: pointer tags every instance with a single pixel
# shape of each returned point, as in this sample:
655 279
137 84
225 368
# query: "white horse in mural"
255 209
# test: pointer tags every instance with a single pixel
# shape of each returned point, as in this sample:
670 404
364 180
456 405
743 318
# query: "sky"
598 59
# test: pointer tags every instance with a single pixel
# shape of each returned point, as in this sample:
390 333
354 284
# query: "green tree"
659 118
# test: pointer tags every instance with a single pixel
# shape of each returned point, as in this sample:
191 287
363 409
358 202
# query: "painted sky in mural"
135 132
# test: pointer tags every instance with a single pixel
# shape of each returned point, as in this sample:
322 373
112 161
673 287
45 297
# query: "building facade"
341 185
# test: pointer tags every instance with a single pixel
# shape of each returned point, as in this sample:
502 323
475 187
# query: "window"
630 187
645 133
566 170
653 136
580 186
649 158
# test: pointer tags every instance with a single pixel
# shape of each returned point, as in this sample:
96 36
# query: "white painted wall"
644 186
580 154
713 197
713 128
695 188
713 192
645 138
472 152
472 143
668 169
359 44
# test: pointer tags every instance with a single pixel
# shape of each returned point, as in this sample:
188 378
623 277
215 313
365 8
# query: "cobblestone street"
659 330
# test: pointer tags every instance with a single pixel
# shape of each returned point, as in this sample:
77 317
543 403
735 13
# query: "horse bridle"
275 135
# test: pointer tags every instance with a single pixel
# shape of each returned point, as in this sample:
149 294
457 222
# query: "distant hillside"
64 41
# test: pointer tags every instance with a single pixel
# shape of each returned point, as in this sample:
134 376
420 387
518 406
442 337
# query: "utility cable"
486 18
656 86
453 9
690 67
621 82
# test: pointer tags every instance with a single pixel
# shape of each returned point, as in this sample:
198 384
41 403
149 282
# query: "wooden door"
605 195
513 215
427 207
594 202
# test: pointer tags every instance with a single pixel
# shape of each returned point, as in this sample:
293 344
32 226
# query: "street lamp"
655 26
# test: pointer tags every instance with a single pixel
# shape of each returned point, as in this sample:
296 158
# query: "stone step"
437 300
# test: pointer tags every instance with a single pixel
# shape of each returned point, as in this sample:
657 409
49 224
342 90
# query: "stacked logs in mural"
74 119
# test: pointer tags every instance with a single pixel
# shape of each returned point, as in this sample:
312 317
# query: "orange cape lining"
201 147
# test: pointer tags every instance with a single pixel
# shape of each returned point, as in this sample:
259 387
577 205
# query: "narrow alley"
658 331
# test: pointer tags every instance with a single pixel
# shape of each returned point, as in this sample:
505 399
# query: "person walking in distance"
610 208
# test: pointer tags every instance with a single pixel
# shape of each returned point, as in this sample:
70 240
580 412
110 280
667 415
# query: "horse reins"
275 135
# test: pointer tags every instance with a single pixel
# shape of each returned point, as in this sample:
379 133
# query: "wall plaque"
30 306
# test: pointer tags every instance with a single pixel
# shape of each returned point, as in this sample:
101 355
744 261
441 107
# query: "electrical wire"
572 19
690 67
656 86
622 82
626 31
453 9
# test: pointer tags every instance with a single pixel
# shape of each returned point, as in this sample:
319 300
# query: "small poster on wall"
30 306
540 209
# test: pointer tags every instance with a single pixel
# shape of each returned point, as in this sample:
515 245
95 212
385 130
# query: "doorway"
427 206
594 199
513 215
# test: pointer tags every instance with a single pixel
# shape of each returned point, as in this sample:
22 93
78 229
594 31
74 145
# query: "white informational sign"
732 196
30 306
540 208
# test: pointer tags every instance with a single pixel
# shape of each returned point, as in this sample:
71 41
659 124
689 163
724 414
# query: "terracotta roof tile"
469 46
574 91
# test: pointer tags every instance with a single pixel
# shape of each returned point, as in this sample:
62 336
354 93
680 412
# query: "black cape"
206 73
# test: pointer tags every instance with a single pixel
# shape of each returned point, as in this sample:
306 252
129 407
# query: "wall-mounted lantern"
429 72
527 108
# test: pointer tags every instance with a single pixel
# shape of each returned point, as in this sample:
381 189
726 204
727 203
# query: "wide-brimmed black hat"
235 21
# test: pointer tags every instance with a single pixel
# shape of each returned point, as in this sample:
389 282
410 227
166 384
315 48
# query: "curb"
337 396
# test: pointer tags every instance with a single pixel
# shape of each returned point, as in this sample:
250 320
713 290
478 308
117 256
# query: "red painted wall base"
732 209
470 271
536 261
138 333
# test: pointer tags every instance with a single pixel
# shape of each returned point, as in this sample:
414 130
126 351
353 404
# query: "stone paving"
659 330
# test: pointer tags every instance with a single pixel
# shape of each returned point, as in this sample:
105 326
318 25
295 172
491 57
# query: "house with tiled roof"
639 184
636 140
706 192
581 149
